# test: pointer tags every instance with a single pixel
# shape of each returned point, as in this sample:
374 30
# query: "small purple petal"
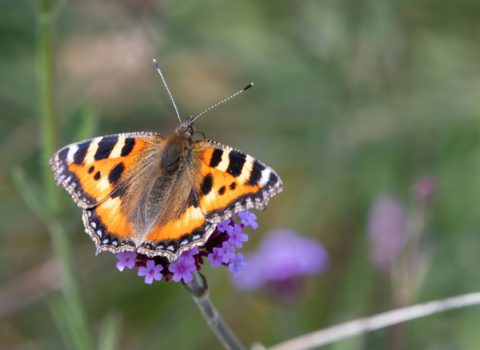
126 260
142 271
248 219
237 265
227 252
189 254
151 272
182 269
237 237
216 258
224 226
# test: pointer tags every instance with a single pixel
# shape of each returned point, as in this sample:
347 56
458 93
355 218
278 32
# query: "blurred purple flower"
216 258
425 188
237 265
237 237
248 219
126 260
282 256
387 231
226 252
150 272
225 226
182 269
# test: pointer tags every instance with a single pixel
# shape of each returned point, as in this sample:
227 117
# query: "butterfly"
157 195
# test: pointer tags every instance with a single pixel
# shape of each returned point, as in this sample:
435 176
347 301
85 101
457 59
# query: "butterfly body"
160 196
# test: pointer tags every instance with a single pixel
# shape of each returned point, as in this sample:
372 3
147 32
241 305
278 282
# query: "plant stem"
58 234
46 93
214 320
353 328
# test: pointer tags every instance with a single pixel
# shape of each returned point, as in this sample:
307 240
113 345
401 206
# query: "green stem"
47 112
215 321
58 234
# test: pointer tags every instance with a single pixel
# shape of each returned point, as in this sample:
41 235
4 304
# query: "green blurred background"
352 99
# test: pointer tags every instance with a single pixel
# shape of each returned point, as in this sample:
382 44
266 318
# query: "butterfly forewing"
91 170
230 181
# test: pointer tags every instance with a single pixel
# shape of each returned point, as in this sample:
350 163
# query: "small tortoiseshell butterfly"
156 195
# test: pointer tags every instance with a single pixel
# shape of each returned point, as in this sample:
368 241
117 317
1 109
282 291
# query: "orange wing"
91 170
229 181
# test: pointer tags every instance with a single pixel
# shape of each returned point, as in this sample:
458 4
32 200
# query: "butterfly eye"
191 130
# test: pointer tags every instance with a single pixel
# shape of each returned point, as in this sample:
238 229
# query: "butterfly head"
186 127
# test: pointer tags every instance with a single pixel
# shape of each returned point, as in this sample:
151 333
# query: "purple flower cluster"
283 256
219 250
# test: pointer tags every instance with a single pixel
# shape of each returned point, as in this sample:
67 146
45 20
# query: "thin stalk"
357 327
48 133
215 321
46 94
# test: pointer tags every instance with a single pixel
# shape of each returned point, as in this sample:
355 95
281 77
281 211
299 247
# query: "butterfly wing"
229 181
91 170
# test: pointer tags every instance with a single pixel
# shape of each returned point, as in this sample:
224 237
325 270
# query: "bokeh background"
353 103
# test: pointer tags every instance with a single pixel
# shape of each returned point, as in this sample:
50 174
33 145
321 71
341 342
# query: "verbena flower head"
151 272
387 231
219 250
126 260
283 255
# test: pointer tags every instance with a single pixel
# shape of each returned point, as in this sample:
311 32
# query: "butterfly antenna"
164 83
219 103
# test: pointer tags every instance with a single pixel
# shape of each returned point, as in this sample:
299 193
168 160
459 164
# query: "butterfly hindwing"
91 170
181 224
229 181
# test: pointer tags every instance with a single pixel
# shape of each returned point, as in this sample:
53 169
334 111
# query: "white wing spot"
69 179
184 242
265 176
62 177
257 199
248 200
71 152
105 241
61 169
79 194
196 237
94 225
171 247
74 185
114 243
89 214
99 233
238 204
